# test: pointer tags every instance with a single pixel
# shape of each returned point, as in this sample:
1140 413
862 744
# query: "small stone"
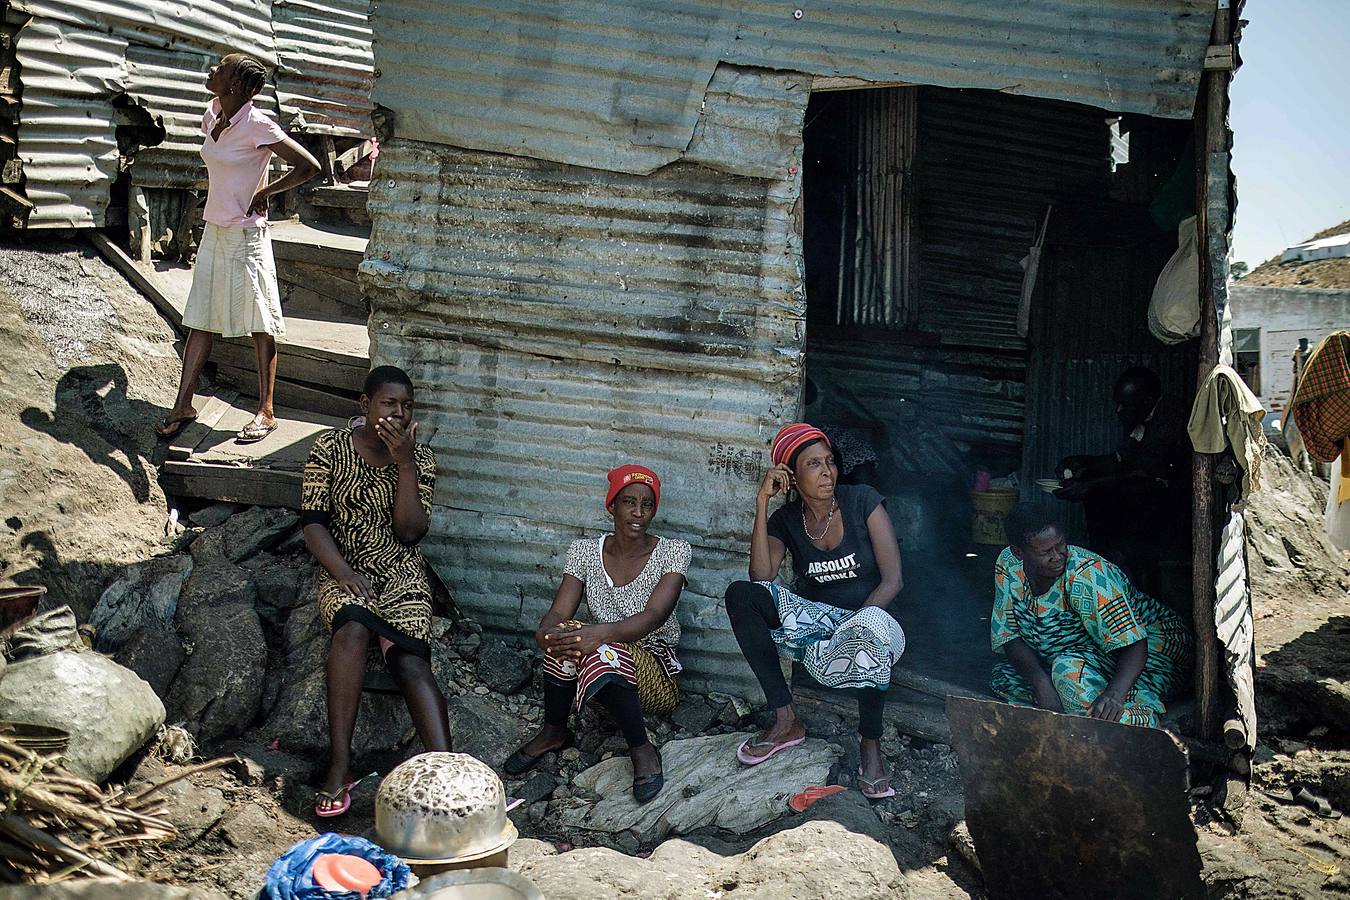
1262 755
250 772
571 754
503 669
1319 731
481 691
628 842
613 744
729 716
537 787
591 741
241 828
537 812
694 715
562 792
468 646
1292 747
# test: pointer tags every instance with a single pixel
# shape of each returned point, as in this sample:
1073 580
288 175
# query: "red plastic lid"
344 872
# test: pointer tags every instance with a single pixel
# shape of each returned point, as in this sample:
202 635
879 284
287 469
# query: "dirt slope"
86 365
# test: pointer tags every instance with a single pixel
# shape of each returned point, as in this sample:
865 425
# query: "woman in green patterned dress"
366 504
1077 637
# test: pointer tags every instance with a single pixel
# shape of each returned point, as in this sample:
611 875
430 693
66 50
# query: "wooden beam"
1220 58
127 266
232 484
1213 220
208 415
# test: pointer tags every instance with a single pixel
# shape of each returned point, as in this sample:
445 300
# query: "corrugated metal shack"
102 99
633 231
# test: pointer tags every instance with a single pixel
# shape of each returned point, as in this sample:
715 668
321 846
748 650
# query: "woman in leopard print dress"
366 504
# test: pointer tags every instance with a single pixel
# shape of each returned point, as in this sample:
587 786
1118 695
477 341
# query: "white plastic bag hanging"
1174 311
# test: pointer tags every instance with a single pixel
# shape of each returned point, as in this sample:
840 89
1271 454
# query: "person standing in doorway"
234 282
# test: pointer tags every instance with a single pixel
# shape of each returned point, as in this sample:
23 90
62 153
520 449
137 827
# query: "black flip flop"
518 763
178 425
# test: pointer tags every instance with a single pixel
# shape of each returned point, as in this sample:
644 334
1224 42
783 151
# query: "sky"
1291 124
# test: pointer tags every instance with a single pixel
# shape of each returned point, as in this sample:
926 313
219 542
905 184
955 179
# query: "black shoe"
647 787
518 763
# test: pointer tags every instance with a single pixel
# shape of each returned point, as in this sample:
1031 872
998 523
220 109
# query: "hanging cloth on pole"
1321 403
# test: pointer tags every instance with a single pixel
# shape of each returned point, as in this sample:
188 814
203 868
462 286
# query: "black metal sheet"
1070 807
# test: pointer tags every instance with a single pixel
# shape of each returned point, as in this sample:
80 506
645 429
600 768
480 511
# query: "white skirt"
234 284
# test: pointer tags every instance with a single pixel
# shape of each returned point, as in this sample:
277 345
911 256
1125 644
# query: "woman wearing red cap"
835 621
626 659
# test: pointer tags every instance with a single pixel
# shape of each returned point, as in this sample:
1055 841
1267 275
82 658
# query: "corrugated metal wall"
67 139
561 321
986 167
325 65
618 85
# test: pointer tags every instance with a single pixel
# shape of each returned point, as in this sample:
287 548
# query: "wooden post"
1214 216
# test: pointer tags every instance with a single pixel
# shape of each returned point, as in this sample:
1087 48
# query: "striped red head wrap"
623 476
791 438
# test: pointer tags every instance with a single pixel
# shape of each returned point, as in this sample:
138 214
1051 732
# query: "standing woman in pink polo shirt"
234 283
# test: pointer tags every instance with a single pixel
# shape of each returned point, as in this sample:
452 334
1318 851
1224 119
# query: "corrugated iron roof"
619 85
67 139
207 26
561 321
325 65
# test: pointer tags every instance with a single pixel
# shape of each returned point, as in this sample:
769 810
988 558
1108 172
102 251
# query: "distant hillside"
1321 273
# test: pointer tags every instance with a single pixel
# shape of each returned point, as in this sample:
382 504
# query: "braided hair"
250 73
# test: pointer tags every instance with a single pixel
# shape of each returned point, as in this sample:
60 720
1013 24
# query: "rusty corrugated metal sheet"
67 139
207 26
325 67
618 85
561 321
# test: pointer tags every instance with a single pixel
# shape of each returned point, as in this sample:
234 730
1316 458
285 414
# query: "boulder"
245 534
299 718
146 592
155 652
218 689
705 786
817 859
485 730
503 669
213 515
109 712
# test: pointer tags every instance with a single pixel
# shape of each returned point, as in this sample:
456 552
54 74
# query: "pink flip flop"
875 789
344 792
746 759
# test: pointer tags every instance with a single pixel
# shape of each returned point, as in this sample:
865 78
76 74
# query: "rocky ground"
218 616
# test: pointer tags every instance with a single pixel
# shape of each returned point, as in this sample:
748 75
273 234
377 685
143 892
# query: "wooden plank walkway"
322 363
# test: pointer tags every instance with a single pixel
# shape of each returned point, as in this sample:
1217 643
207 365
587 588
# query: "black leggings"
753 615
618 697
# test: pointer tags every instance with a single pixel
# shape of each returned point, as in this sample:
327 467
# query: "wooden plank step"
286 392
232 484
339 196
210 410
329 245
325 354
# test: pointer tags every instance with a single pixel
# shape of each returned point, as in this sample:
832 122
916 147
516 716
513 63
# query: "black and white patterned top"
609 602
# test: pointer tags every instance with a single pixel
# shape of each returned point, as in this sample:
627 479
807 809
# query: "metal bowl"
479 884
442 808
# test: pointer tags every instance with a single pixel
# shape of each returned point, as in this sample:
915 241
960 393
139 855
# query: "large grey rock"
299 717
108 889
218 689
213 515
485 730
705 786
109 712
503 669
694 715
245 534
146 592
814 860
155 653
